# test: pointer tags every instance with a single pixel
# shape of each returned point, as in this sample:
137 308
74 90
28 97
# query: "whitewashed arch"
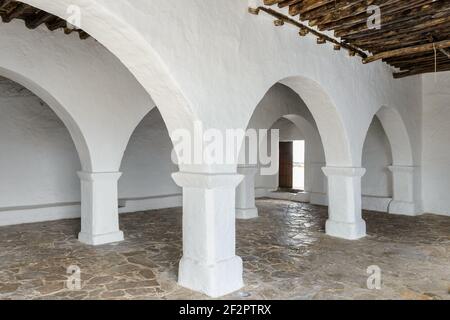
105 105
327 118
133 51
405 175
308 130
149 113
398 136
71 125
282 102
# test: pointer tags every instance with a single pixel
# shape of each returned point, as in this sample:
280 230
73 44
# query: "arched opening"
38 180
305 104
62 113
328 120
398 136
291 175
99 111
147 168
295 128
377 189
129 46
392 179
282 108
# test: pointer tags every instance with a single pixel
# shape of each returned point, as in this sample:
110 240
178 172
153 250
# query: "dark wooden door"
286 165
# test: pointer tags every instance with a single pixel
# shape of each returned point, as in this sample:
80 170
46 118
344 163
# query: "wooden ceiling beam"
417 71
402 40
34 22
15 13
10 10
409 50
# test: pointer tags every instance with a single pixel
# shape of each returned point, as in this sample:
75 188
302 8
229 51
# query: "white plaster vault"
228 69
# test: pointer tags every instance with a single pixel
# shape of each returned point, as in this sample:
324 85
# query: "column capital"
207 180
402 169
344 171
99 176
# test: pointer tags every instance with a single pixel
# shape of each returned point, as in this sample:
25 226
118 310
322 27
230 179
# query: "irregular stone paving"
286 256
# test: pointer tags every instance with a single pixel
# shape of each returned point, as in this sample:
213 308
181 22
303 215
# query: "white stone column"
209 264
245 194
99 208
404 199
344 193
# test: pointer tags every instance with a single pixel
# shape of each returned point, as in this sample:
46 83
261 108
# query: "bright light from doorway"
299 165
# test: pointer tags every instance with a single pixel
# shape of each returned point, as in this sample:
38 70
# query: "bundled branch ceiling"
414 35
33 18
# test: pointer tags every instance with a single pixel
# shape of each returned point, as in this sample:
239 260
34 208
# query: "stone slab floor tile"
285 251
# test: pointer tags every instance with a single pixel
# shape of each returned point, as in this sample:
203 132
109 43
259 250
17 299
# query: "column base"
404 208
216 280
247 214
345 230
100 239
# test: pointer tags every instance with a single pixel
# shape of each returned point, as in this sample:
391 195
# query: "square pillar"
99 208
404 199
344 193
209 264
245 194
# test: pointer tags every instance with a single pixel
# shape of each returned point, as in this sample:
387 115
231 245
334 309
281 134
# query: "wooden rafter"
403 39
33 18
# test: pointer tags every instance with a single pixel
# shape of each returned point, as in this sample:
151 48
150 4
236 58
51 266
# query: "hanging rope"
435 57
435 62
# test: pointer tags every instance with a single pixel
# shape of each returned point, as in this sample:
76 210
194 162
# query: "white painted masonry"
436 137
209 262
227 69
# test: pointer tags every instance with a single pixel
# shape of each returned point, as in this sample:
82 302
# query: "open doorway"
292 165
299 165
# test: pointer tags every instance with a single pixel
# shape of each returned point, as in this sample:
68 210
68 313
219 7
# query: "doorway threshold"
291 195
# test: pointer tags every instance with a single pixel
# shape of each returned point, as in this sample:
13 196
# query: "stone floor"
286 256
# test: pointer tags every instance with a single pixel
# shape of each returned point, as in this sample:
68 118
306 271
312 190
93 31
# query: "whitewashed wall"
436 143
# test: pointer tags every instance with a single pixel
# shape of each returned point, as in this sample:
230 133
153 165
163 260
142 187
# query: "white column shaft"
99 208
344 193
245 194
209 264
